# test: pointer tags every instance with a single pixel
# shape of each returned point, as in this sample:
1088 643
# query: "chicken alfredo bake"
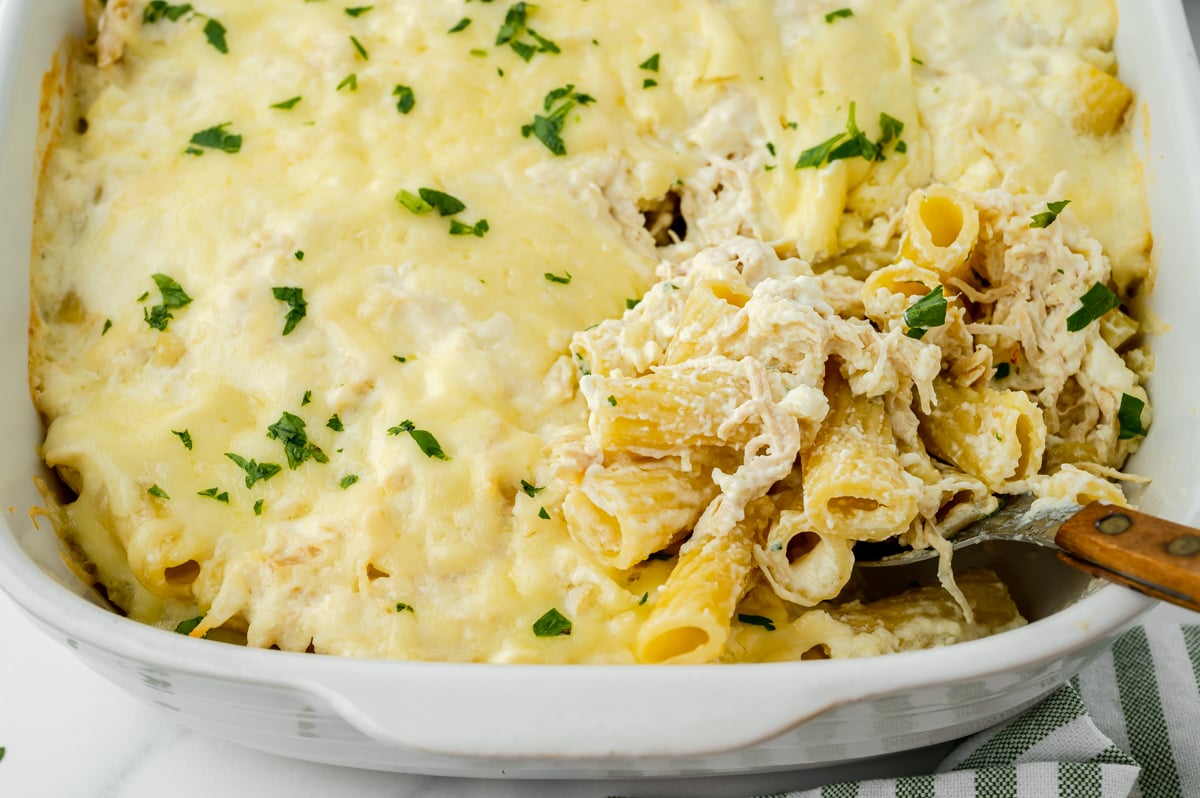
578 332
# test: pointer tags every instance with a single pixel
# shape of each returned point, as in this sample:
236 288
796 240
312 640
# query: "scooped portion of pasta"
579 332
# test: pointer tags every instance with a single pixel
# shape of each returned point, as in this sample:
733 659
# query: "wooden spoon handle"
1156 557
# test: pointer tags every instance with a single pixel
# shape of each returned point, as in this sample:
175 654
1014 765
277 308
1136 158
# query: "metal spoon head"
1016 520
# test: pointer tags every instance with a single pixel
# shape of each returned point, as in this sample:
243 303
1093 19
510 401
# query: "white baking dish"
586 721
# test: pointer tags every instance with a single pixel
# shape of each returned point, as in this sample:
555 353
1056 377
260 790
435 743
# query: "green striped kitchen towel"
1128 725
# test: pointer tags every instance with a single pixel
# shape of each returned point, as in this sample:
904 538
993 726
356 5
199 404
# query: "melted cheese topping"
465 336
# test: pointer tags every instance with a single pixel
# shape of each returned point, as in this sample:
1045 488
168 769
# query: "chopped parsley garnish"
650 64
184 436
349 82
297 306
542 514
552 624
188 626
428 444
558 104
402 607
215 493
771 147
306 399
515 26
214 31
413 203
158 492
289 430
649 83
216 138
1098 300
1047 217
928 311
757 620
298 254
335 423
630 304
1002 371
288 105
358 47
479 229
530 489
854 143
173 298
145 295
462 24
358 11
642 600
107 326
255 471
400 358
443 203
612 400
841 13
554 278
157 9
1129 417
258 505
347 481
406 100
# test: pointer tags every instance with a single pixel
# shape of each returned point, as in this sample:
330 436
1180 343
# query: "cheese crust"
370 330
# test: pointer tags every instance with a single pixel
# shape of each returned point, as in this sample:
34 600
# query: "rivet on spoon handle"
1156 557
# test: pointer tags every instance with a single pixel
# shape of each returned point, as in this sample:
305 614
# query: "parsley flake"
188 626
157 9
258 507
157 492
530 489
443 203
461 25
287 105
298 254
515 26
358 47
215 493
650 64
1097 301
402 607
542 514
289 430
216 138
406 100
214 31
358 11
413 203
479 229
106 328
649 83
757 620
297 306
347 481
630 304
425 440
554 278
854 143
335 423
612 400
400 358
173 298
306 399
349 82
928 311
558 104
254 471
184 436
841 13
1129 417
1047 217
552 624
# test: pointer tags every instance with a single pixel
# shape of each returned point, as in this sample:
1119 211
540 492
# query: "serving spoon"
1151 555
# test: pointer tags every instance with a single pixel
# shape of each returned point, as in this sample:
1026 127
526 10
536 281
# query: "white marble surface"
68 733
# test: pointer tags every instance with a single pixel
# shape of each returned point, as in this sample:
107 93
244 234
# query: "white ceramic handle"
580 712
